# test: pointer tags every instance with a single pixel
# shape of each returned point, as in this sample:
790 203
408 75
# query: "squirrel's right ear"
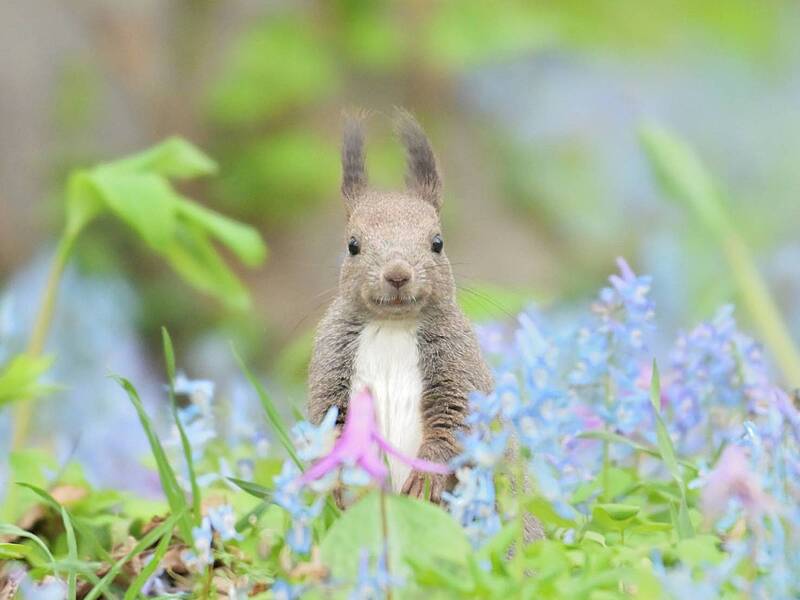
354 170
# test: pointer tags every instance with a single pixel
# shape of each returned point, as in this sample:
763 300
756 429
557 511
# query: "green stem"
41 327
385 531
762 308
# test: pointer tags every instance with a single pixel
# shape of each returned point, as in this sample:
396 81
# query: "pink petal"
418 464
321 468
373 465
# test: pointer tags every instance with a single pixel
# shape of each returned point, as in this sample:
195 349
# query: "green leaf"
416 529
243 240
254 489
172 158
162 530
163 545
11 551
143 200
618 512
19 379
169 483
169 359
609 436
138 191
72 553
681 173
193 256
273 415
683 176
13 531
683 524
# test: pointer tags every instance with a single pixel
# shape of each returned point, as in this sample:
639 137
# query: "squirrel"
394 325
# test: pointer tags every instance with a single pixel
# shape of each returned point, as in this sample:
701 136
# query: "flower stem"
385 531
41 327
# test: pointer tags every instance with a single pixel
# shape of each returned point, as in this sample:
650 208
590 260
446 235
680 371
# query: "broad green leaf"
618 512
84 202
169 483
416 529
173 158
193 256
144 200
19 379
169 359
138 191
243 240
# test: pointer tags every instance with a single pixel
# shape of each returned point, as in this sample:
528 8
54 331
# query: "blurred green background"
533 108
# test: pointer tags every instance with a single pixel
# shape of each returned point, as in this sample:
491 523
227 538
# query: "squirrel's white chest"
387 360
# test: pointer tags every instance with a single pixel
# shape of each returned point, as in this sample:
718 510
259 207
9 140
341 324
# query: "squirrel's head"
394 264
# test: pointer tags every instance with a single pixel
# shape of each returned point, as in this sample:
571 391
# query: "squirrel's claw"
415 486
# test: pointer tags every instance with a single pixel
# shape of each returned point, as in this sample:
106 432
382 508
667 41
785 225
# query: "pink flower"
733 478
360 445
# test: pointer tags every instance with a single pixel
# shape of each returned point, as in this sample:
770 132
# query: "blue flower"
289 496
223 521
472 503
200 556
315 442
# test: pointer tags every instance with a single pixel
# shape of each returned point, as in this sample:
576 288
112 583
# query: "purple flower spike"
360 444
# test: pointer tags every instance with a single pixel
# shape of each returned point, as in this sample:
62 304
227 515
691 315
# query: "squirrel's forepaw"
416 483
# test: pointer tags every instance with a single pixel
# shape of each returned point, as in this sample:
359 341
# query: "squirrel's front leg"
441 419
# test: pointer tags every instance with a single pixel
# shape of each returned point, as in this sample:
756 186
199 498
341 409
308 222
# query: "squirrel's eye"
437 244
353 247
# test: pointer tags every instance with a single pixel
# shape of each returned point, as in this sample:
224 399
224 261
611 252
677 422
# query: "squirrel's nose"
397 275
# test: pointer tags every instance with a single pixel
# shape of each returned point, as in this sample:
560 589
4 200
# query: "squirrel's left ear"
422 175
354 170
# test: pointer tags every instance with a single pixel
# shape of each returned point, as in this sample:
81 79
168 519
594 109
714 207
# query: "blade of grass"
79 524
273 415
169 358
683 523
17 532
251 517
163 545
683 176
610 436
147 540
254 489
278 424
72 553
173 492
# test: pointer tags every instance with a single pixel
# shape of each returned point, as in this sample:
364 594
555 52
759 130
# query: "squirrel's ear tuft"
422 175
354 170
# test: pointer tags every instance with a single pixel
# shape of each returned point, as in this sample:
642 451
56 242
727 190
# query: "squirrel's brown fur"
395 229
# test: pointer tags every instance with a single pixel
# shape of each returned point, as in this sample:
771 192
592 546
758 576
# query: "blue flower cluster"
718 375
290 496
219 520
551 388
